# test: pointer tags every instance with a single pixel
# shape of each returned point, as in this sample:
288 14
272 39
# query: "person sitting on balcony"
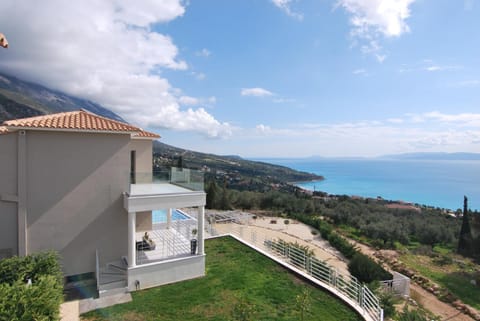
147 244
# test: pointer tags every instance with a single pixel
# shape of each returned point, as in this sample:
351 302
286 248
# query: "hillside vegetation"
232 171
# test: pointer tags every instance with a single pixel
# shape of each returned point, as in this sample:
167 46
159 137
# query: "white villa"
83 185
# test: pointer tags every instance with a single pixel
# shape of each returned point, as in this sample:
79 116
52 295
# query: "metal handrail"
345 284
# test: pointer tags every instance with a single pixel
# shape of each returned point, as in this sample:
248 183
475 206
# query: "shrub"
342 245
30 267
387 302
367 270
38 301
412 315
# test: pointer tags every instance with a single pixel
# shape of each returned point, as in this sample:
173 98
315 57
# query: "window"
133 170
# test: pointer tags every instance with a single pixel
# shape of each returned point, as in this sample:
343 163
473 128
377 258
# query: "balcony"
169 188
171 259
183 177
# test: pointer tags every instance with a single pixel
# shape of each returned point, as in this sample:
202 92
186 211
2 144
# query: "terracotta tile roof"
145 134
3 130
75 120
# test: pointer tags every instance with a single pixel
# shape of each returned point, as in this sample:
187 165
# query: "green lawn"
238 279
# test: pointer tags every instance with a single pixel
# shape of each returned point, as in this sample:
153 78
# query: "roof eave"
69 130
145 138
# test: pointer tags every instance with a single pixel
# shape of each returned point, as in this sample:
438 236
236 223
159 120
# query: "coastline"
439 184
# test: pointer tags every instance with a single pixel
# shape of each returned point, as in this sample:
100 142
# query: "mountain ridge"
434 156
20 99
401 156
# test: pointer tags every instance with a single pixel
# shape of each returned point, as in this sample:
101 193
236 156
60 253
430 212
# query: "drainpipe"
22 192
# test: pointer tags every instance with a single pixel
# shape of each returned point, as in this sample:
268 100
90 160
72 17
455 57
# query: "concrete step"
102 293
108 278
112 283
117 265
112 273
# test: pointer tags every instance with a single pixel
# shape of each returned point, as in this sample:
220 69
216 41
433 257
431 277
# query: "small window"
133 159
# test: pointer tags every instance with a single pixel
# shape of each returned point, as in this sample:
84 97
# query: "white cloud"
285 6
395 120
256 92
380 58
373 19
105 51
203 53
262 129
429 66
195 101
198 75
360 71
284 100
187 100
462 119
440 68
363 138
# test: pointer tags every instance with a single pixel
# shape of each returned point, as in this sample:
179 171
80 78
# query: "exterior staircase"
113 278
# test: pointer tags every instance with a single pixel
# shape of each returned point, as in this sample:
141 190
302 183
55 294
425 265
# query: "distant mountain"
434 156
19 99
235 171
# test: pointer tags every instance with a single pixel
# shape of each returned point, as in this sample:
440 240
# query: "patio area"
170 242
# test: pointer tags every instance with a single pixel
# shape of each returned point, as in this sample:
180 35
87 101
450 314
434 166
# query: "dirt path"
437 307
425 298
293 232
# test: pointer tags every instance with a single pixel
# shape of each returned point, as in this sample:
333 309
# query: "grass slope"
450 274
236 276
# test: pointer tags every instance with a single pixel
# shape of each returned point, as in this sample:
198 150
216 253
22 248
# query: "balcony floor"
156 189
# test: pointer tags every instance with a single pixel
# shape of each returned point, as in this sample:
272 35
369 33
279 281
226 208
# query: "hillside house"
82 185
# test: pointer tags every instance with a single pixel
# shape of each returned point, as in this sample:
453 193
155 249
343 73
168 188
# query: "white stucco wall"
8 192
151 275
75 183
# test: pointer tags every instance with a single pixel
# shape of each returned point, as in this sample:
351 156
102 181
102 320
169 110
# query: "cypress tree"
465 237
212 195
180 162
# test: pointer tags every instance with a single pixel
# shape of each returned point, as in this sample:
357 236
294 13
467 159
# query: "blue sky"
265 78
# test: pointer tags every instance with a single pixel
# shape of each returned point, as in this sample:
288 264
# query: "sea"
438 183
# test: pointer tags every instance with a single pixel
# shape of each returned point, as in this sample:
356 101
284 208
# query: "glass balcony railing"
184 177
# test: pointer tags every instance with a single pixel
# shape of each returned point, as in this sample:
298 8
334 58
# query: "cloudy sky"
264 78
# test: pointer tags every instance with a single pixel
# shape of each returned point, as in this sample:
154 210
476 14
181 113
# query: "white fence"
326 275
400 284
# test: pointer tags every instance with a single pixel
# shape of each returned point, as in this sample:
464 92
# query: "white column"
132 251
169 218
201 230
